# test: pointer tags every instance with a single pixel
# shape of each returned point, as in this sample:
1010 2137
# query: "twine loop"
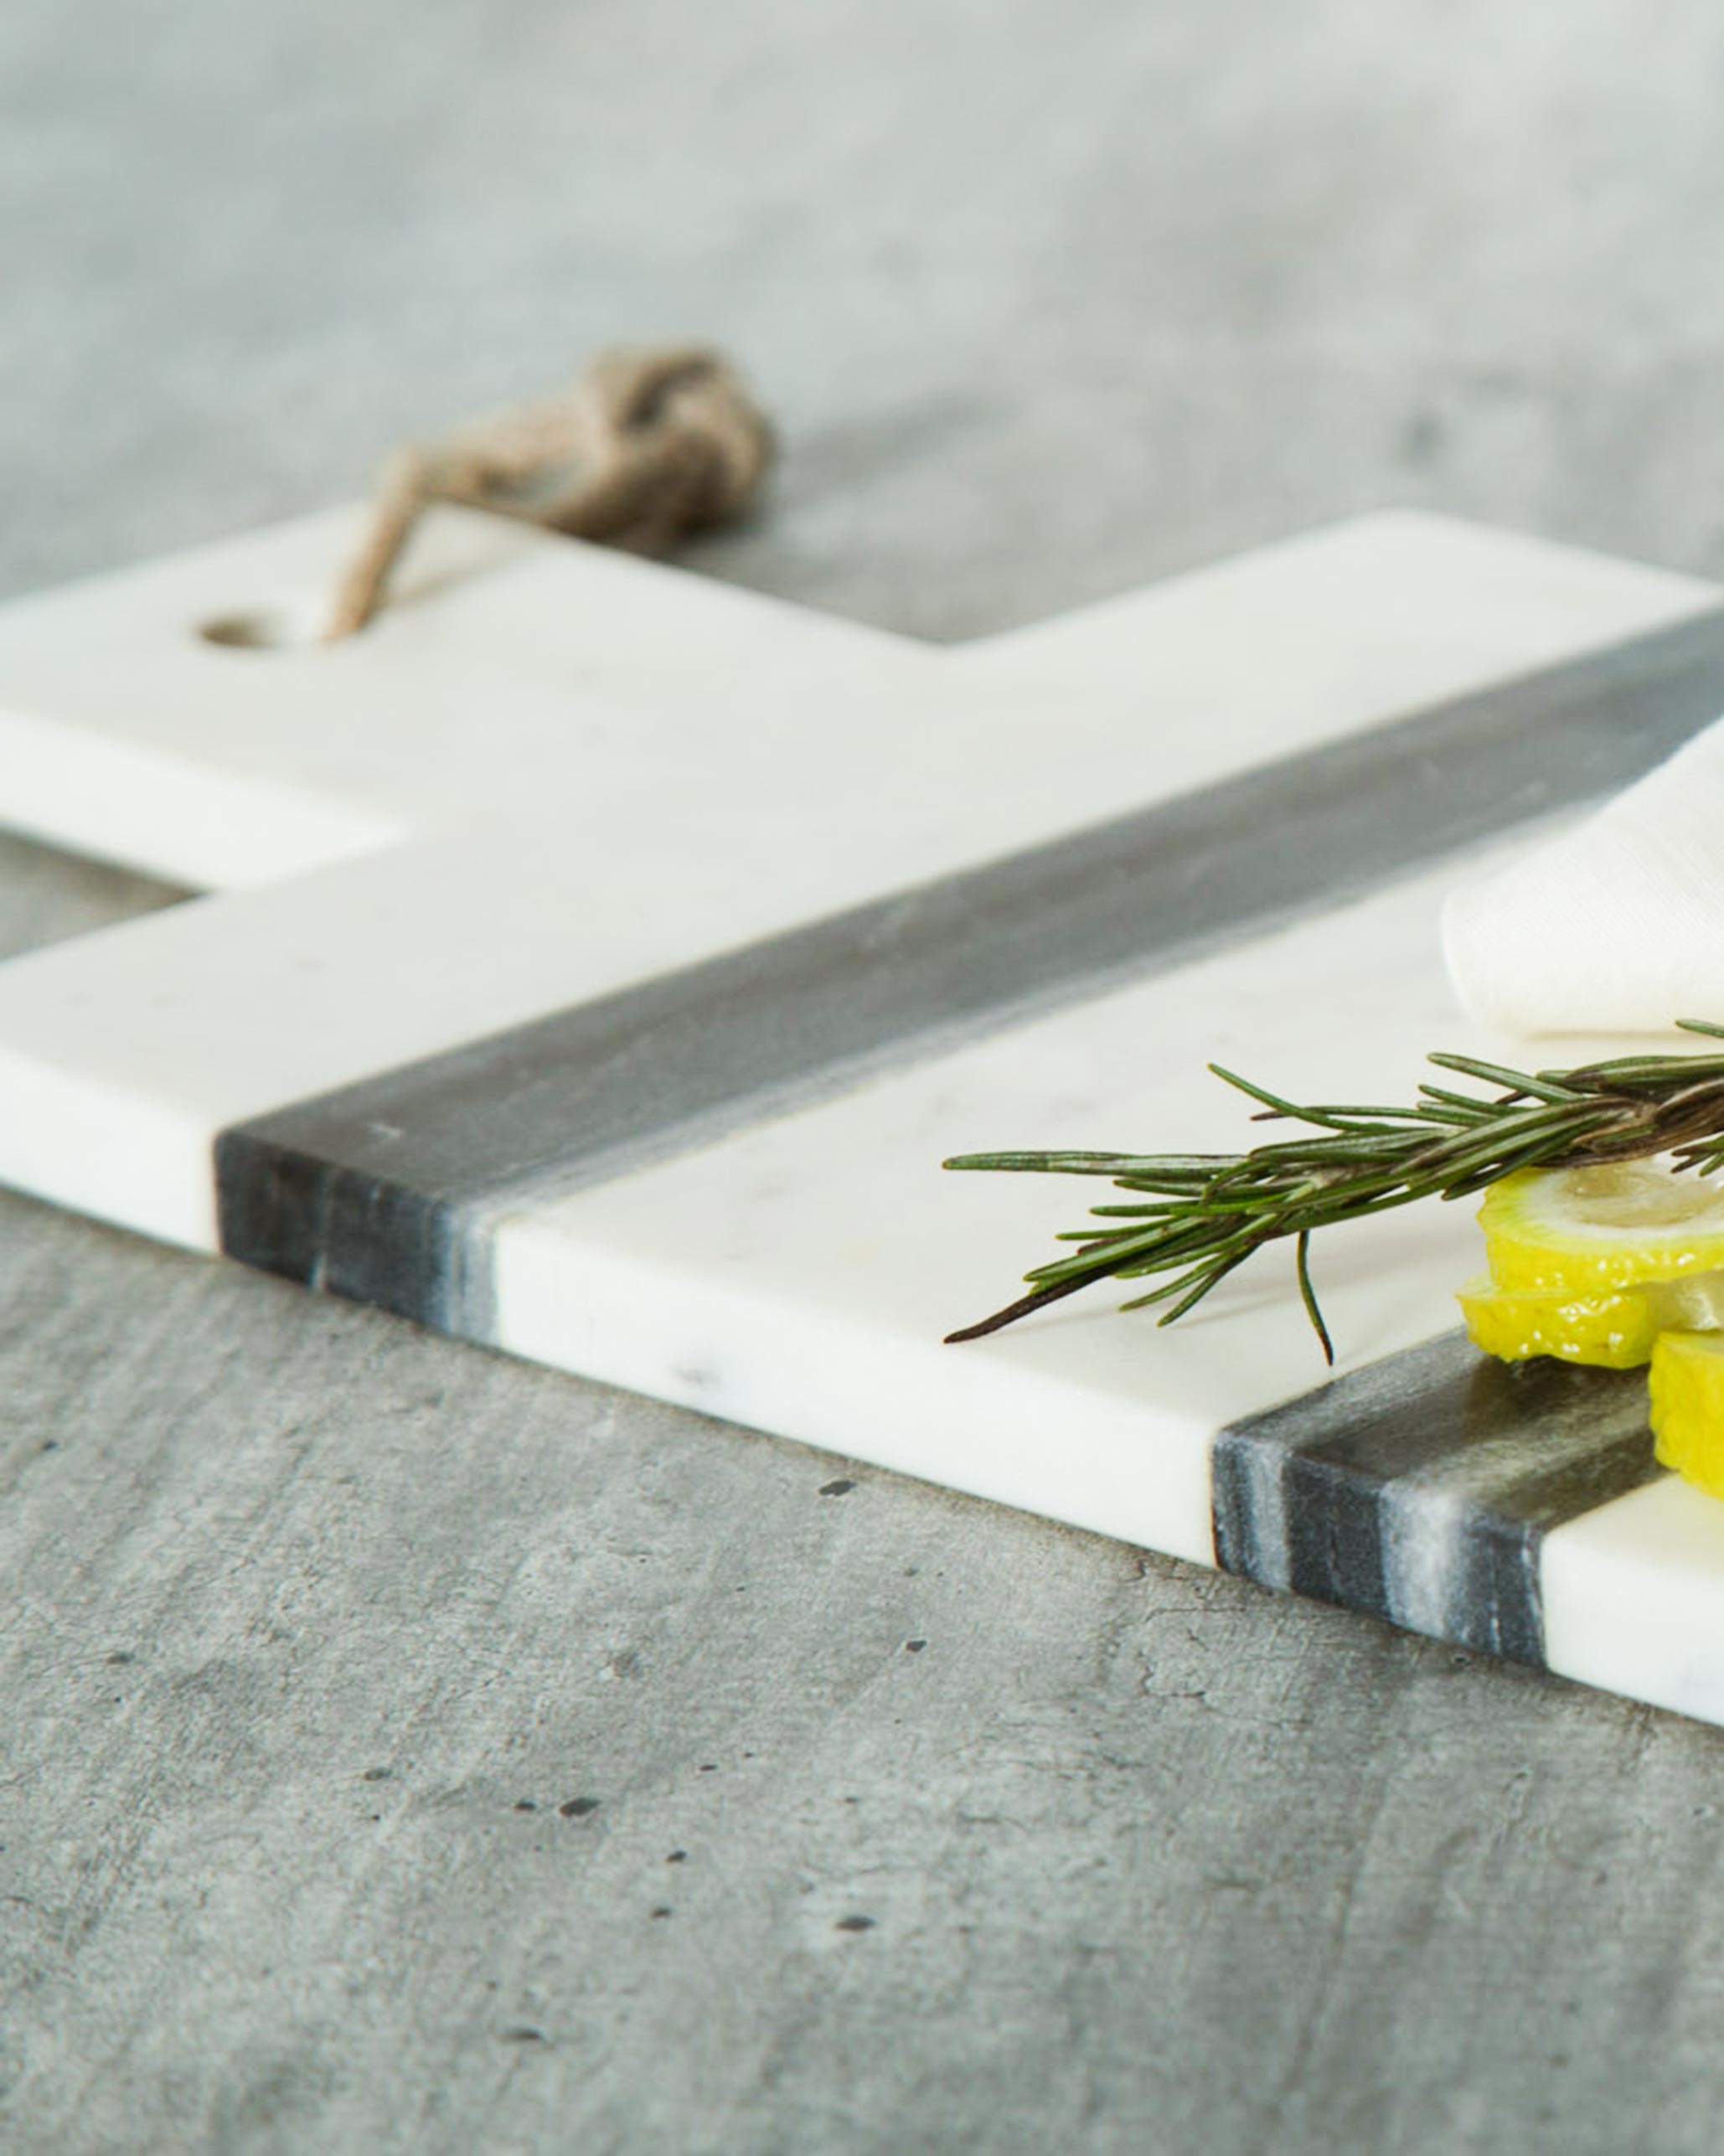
646 447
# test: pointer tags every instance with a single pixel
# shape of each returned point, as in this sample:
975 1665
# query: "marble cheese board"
597 962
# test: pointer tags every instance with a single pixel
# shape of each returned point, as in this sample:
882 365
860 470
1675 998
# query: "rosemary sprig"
1195 1217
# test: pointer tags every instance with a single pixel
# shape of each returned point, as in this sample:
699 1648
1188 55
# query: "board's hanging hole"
264 629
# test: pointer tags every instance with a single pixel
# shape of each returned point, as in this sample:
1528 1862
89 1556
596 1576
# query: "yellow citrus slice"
1611 1332
1588 1231
1688 1406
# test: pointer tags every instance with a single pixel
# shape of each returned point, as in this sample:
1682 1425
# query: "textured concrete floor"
407 1751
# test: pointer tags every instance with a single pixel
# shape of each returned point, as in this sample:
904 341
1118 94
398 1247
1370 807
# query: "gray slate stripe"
381 1190
1419 1489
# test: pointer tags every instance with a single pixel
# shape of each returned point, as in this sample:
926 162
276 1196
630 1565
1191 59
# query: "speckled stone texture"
974 1834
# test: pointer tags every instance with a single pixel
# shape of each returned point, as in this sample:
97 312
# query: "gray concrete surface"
407 1751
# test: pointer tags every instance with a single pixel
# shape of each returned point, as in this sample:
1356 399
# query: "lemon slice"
1688 1406
1588 1231
1610 1331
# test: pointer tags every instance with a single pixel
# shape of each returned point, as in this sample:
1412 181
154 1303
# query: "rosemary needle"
1197 1216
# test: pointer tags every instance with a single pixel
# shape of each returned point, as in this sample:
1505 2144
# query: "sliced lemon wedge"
1610 1331
1688 1407
1590 1231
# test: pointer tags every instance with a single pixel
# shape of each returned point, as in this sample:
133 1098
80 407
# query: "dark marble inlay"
349 1230
384 1189
1419 1489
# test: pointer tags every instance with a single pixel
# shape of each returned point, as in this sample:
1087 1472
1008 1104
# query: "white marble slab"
556 778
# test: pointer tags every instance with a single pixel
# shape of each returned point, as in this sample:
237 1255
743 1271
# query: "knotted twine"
645 446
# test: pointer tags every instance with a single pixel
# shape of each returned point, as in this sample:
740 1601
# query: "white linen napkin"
1615 927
